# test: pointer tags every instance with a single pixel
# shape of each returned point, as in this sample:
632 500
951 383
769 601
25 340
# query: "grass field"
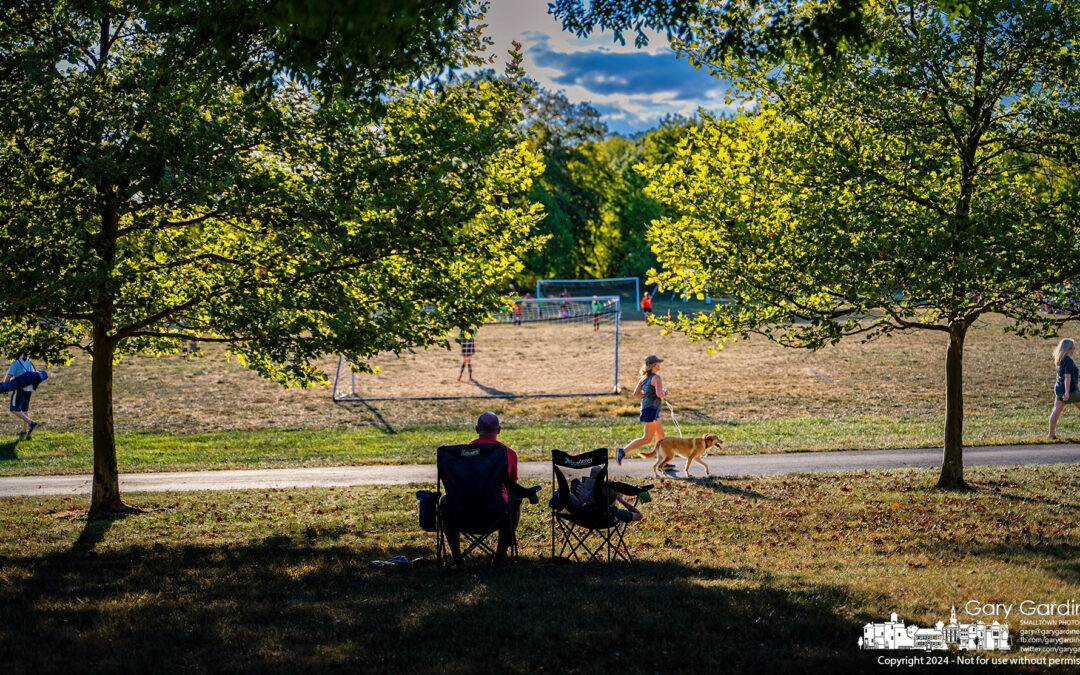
208 412
71 453
754 574
755 379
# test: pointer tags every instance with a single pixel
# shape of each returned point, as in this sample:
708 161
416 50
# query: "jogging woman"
651 390
1067 388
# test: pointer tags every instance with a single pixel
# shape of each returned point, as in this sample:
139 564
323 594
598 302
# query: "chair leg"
569 534
480 541
440 545
582 543
610 546
620 548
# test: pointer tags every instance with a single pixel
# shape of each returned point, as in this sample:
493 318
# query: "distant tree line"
596 211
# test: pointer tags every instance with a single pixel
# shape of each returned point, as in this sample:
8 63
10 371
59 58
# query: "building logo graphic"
893 634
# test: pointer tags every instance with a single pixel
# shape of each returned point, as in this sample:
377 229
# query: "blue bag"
427 500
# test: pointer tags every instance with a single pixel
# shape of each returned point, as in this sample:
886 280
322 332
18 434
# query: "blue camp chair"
473 477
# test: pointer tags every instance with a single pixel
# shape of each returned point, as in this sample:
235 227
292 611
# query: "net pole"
337 377
618 317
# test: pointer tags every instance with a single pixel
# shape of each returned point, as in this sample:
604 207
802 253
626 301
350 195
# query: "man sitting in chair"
487 431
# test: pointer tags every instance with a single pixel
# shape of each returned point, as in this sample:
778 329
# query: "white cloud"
632 87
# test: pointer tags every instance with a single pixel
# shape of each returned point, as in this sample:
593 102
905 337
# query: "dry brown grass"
754 379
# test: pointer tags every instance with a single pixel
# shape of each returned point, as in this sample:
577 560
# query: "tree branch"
188 336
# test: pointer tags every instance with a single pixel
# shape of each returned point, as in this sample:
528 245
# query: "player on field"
467 340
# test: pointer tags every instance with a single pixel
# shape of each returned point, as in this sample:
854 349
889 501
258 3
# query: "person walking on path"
646 305
651 390
1067 388
20 398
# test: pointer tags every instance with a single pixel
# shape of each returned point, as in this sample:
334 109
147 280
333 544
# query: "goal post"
627 288
562 346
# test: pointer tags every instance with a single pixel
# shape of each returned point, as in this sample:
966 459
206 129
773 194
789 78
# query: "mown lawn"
749 574
71 453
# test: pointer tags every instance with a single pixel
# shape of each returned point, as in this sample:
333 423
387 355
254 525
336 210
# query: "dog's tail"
655 448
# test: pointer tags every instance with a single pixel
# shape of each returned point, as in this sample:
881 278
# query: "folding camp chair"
473 477
574 528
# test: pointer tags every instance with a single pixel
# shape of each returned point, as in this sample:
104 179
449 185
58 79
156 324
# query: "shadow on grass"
717 484
491 391
1057 557
7 451
376 418
94 531
1029 500
697 414
294 605
714 483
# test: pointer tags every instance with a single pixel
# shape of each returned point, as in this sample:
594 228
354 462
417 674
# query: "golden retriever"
693 449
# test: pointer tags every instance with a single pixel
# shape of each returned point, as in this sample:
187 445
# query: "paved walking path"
729 465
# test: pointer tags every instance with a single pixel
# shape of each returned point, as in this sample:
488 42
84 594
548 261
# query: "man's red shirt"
511 458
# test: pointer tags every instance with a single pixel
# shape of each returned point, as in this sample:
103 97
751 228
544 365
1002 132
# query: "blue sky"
633 88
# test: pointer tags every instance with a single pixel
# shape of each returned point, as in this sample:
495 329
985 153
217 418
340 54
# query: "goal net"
566 346
626 288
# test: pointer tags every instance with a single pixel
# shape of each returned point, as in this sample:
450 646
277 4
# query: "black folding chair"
473 477
575 527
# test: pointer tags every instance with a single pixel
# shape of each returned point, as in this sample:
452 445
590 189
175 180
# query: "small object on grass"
398 560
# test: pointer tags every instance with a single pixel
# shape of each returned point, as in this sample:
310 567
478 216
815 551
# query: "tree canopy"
595 208
917 187
154 188
721 29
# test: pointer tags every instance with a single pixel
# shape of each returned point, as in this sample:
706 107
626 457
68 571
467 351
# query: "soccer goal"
565 346
627 288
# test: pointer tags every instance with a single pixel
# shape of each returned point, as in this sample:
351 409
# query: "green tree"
575 189
636 210
921 187
157 187
722 29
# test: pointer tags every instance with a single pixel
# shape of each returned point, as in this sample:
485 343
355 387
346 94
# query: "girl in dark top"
651 390
468 348
1067 388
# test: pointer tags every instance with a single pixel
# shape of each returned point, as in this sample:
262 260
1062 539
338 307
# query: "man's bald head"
488 424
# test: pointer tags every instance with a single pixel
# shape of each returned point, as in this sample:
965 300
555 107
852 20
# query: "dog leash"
672 411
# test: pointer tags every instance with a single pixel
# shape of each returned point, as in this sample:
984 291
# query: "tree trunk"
106 492
952 460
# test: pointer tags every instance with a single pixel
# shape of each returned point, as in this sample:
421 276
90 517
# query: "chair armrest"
522 492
